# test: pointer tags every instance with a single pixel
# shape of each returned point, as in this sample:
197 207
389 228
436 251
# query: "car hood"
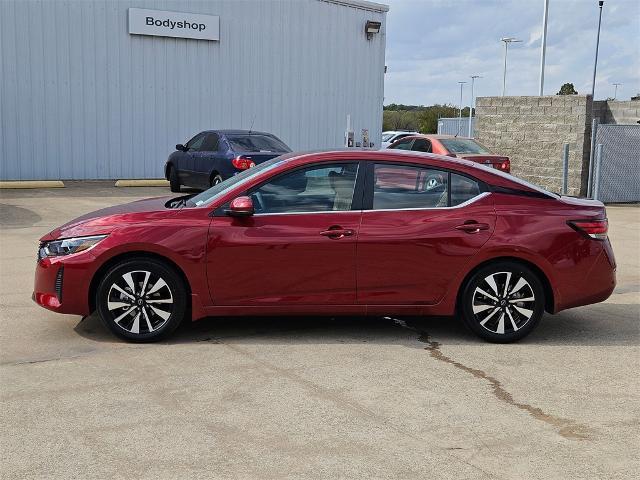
106 219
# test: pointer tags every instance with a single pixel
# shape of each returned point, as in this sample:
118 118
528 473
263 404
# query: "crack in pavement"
567 428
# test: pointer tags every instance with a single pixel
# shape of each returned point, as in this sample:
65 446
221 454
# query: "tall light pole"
543 49
460 110
473 77
507 41
615 92
595 63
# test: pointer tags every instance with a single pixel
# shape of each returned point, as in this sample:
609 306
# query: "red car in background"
452 146
335 233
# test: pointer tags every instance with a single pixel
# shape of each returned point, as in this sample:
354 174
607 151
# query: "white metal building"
95 90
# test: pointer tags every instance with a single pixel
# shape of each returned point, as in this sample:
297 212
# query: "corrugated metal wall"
81 98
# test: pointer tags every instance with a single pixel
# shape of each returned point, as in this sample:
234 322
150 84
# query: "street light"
460 109
543 49
595 63
507 41
473 77
615 92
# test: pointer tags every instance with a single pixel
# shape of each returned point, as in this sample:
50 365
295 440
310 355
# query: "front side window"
318 188
402 186
195 143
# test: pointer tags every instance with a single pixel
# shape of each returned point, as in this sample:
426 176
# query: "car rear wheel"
503 302
141 300
174 182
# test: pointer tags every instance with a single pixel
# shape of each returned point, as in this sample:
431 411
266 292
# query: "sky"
433 44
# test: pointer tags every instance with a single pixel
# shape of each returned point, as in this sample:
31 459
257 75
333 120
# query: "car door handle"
472 227
337 232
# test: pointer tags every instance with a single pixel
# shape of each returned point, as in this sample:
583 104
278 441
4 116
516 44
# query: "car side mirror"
181 147
240 207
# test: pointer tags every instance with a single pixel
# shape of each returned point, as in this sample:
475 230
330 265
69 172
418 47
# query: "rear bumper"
597 286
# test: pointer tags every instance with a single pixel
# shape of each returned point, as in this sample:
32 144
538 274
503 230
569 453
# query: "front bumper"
62 283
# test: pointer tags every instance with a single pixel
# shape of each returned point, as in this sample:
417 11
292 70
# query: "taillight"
504 166
596 229
242 163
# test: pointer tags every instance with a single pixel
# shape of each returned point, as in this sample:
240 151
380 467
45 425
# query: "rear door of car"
420 226
204 159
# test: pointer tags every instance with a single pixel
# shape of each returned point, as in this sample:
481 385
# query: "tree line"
420 118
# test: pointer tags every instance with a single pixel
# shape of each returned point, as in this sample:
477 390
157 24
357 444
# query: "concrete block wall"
532 131
617 112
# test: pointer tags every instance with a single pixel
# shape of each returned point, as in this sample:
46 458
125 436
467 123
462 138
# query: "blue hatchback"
215 155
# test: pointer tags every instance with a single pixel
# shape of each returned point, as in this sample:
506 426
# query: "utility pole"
460 110
507 41
615 92
473 77
543 49
595 63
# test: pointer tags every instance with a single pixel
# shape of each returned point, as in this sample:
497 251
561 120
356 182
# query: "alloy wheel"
140 302
503 302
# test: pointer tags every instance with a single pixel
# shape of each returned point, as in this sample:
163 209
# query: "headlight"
67 246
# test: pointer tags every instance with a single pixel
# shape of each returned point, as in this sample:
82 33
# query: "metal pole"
460 112
594 131
565 168
615 92
596 179
473 77
545 17
504 73
595 63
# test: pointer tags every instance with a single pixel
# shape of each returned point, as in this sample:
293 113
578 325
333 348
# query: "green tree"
567 89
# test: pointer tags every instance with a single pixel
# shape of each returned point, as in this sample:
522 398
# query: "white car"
391 136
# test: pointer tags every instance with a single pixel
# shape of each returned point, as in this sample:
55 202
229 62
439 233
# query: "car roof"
481 172
238 132
435 136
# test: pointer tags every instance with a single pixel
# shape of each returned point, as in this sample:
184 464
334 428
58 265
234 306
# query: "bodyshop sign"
173 24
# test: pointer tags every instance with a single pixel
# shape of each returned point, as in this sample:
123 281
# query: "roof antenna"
253 120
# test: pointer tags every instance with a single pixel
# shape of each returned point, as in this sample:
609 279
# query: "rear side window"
210 143
256 143
402 186
463 189
404 144
421 145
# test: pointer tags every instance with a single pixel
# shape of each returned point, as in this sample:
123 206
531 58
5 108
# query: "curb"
32 184
142 183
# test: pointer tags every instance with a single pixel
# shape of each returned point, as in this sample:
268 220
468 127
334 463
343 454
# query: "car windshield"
208 196
387 136
463 145
256 143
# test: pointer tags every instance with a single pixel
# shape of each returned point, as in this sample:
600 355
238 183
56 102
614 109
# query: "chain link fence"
619 175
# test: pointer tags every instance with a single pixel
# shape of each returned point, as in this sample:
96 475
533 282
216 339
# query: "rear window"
463 145
256 143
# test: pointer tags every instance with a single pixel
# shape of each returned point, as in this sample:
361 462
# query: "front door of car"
299 248
193 148
420 227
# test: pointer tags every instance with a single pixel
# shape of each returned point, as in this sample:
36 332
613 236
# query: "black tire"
174 182
498 316
148 312
215 179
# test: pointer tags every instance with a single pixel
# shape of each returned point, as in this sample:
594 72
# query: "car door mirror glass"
240 207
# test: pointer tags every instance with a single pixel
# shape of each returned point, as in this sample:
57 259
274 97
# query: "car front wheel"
141 300
503 302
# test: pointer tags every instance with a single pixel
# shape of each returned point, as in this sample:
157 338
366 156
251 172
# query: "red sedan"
452 146
335 233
